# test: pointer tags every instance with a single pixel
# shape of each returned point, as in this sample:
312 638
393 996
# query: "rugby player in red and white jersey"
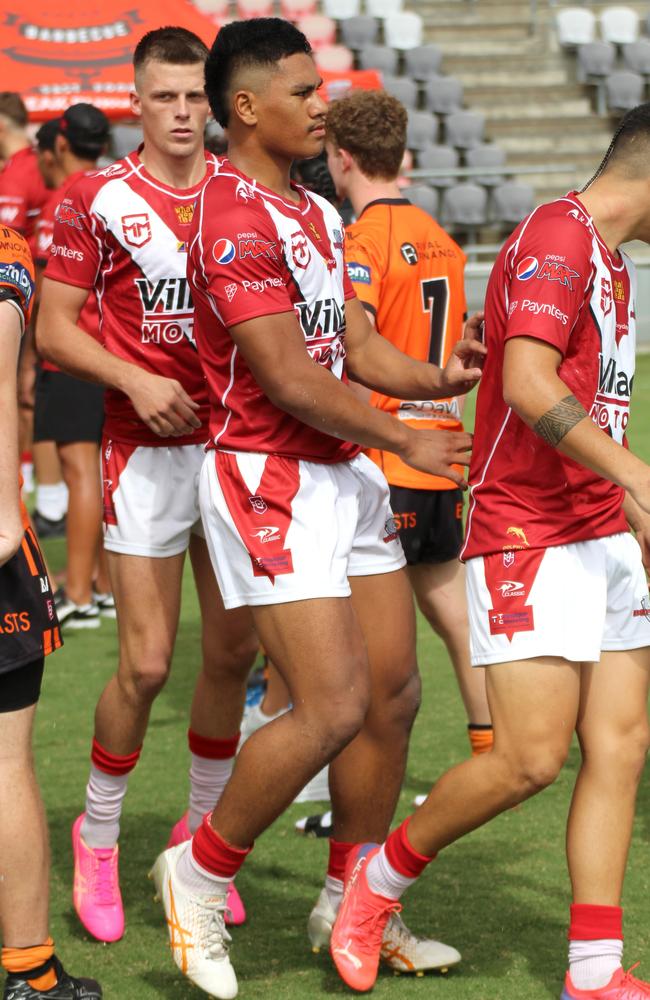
22 190
557 593
297 520
123 231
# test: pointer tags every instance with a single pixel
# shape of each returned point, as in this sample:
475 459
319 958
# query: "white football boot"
197 932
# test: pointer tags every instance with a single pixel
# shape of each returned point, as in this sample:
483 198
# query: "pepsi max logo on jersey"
17 276
257 248
69 216
300 250
359 273
552 270
224 251
136 229
322 319
527 268
60 251
409 253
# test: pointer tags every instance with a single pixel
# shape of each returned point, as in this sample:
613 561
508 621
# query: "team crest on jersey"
244 192
409 253
184 213
508 559
258 504
299 249
68 215
338 239
605 296
136 229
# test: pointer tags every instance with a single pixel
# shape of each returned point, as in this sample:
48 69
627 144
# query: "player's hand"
11 535
437 452
465 366
163 405
473 329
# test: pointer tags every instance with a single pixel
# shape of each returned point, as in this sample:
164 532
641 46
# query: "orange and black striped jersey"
409 274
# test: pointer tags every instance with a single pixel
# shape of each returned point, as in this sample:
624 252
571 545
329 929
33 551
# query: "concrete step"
527 128
550 146
531 114
552 83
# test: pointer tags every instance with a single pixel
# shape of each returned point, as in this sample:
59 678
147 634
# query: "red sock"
215 854
339 852
211 749
590 922
401 854
112 763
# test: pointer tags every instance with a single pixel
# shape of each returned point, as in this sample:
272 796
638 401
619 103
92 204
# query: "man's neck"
272 172
12 143
176 172
615 209
362 190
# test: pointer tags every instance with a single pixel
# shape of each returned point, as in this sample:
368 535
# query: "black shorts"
66 409
430 523
29 628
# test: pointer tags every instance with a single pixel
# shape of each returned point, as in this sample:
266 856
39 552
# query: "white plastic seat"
424 196
443 94
512 201
636 56
423 62
575 26
624 90
383 8
437 157
378 57
403 30
486 155
340 9
619 25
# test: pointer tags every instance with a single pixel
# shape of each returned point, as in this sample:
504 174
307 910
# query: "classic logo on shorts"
268 533
258 504
390 529
527 268
643 611
409 253
136 229
300 249
224 251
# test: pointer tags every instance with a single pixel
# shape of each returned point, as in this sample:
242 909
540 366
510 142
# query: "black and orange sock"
481 738
36 964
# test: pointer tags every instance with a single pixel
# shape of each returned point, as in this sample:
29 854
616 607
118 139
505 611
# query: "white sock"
208 778
593 963
27 472
104 796
334 887
383 879
52 501
197 879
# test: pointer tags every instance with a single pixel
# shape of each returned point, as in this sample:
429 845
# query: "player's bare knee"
534 770
144 680
233 661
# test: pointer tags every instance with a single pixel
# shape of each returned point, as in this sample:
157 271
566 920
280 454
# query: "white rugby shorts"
151 497
572 601
282 529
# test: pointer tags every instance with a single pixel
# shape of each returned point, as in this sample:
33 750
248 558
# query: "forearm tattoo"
559 420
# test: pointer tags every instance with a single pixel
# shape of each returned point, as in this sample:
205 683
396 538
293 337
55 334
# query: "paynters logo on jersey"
136 229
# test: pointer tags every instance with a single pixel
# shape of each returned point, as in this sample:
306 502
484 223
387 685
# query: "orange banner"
335 85
56 54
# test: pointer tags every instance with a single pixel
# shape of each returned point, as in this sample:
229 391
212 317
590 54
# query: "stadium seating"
623 90
357 32
464 207
403 30
437 157
378 57
464 129
383 8
424 197
254 8
294 10
512 201
422 62
636 56
340 9
486 155
213 8
575 26
443 94
619 25
334 59
595 60
421 130
403 89
320 30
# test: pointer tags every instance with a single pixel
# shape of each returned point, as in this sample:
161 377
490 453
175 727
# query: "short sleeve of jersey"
75 249
365 268
549 274
240 260
16 271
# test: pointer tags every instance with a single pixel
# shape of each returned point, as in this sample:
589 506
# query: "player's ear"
245 106
347 160
136 104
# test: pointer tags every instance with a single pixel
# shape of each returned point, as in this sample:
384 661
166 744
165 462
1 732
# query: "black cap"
85 127
47 133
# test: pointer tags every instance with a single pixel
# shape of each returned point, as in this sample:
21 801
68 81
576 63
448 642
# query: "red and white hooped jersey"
254 254
125 234
556 281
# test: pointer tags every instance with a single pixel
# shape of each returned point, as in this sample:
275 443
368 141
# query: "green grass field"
501 895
